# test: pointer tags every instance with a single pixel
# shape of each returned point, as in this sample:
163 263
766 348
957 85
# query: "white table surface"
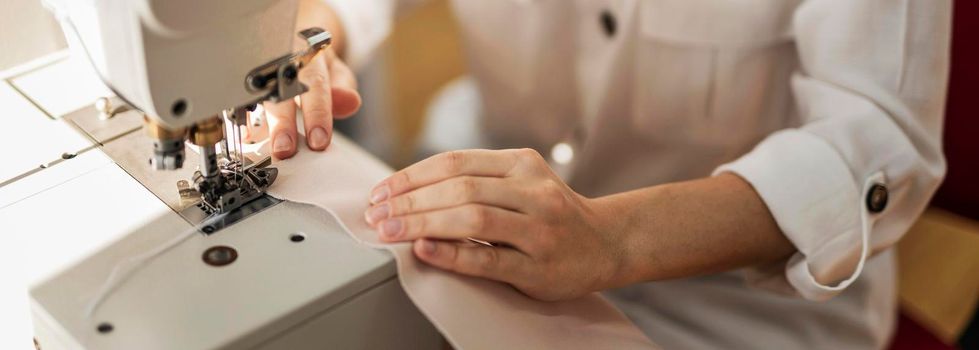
40 213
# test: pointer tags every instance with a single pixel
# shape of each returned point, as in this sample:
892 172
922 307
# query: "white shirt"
813 102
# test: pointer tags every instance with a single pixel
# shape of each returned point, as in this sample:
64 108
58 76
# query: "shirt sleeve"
863 165
367 24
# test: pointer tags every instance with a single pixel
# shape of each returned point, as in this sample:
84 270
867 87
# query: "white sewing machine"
267 275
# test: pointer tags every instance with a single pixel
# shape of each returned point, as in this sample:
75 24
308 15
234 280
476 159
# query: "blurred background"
939 258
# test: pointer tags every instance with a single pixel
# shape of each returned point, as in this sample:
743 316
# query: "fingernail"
428 247
317 138
282 143
380 194
391 228
378 213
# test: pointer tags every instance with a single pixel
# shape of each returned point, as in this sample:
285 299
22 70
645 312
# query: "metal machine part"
233 187
108 108
168 145
281 76
226 186
206 135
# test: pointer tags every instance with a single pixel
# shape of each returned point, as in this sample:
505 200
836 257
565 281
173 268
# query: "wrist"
634 221
610 219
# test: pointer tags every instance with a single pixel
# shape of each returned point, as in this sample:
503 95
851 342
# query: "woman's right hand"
332 94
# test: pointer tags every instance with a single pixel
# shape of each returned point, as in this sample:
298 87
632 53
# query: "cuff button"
877 198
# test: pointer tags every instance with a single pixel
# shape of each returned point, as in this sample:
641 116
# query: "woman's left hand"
549 242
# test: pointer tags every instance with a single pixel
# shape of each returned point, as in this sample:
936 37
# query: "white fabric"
471 313
808 100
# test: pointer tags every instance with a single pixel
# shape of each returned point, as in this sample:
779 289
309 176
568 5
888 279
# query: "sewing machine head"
195 69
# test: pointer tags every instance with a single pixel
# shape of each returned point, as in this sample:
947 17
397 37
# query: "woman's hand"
332 94
332 90
550 242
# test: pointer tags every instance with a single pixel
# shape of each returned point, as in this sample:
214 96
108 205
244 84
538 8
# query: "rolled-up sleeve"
862 166
367 24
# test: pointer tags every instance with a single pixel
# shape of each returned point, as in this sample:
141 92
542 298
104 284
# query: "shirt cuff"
811 193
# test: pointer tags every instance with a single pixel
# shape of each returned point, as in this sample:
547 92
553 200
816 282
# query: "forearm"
316 13
691 228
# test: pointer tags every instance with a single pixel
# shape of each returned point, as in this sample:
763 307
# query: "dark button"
608 23
877 198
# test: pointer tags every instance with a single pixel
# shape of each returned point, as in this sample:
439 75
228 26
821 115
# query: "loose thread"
122 271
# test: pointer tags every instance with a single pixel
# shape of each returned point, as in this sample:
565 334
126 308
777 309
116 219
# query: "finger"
495 263
472 220
343 82
491 191
317 104
281 118
443 166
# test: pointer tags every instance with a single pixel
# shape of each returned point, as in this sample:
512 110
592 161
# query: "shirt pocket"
712 71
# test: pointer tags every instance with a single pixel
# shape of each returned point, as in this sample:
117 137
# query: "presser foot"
233 186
